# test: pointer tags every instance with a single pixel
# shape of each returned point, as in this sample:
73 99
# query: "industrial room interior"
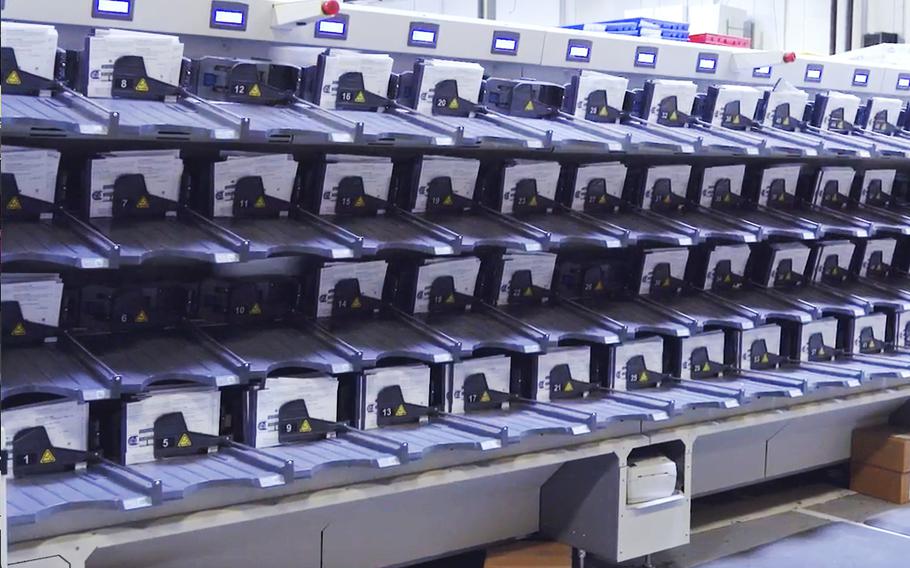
455 283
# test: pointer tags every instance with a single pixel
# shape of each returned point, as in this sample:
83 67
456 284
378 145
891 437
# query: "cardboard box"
883 447
880 483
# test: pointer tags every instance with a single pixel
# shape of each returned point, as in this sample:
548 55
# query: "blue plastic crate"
633 24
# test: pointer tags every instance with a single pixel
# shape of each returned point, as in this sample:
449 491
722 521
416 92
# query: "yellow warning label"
727 198
142 86
485 397
673 115
450 299
360 98
448 200
19 330
360 202
142 317
603 111
255 91
13 78
305 427
643 377
786 121
871 344
143 203
764 358
533 202
599 286
529 292
184 441
454 104
14 204
47 457
401 411
260 203
529 107
666 282
602 199
727 279
356 303
569 388
256 310
736 119
706 367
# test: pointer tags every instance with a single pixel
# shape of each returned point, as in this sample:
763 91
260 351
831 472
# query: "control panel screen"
903 83
646 57
860 77
579 52
814 73
229 15
707 63
423 34
331 29
762 72
113 9
505 42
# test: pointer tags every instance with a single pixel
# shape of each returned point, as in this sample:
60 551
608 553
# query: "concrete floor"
755 527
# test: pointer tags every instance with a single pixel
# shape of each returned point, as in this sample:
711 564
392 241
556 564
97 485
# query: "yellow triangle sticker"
184 441
764 358
255 91
569 388
360 98
603 111
47 457
356 303
142 86
360 202
260 203
706 367
14 204
529 292
256 310
401 411
454 104
13 78
19 330
143 203
142 317
529 107
727 198
673 115
736 119
448 200
666 283
728 279
533 202
602 199
305 427
450 299
485 397
643 377
599 286
786 121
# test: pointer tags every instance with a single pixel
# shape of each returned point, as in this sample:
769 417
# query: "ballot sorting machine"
258 283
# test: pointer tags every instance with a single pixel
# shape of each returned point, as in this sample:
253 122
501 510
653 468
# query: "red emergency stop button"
789 57
331 7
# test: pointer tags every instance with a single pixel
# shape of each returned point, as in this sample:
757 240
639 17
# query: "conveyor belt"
394 128
274 237
564 321
523 421
769 304
483 131
144 358
484 329
813 378
52 369
53 243
186 119
641 137
754 386
482 229
171 238
881 222
567 230
638 317
707 311
342 451
567 136
609 410
294 123
63 114
435 436
879 297
383 338
715 228
774 226
830 225
399 232
229 466
716 141
100 487
682 396
268 348
821 145
868 369
829 302
641 228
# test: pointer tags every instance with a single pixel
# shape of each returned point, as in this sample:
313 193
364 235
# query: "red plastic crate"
719 39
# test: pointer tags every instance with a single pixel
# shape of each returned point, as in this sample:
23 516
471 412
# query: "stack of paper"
162 54
35 47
